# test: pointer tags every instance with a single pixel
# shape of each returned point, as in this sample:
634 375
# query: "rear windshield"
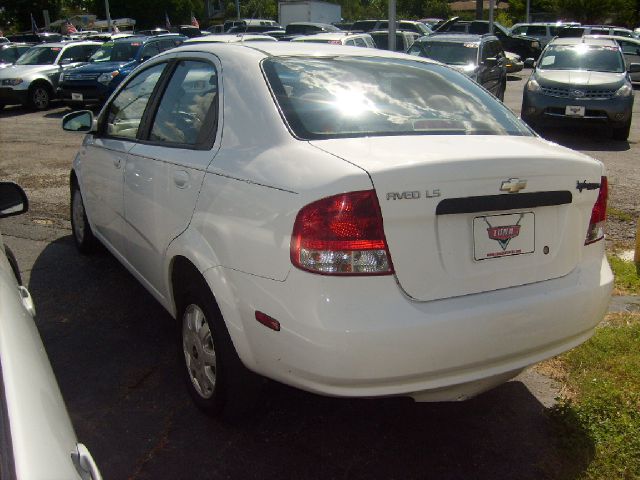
447 52
334 97
39 56
116 52
583 57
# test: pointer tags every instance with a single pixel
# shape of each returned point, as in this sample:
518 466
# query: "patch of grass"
600 425
619 214
627 277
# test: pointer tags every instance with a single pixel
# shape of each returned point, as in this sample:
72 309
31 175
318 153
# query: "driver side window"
126 109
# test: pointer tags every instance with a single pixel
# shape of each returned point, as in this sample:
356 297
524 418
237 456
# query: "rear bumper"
362 337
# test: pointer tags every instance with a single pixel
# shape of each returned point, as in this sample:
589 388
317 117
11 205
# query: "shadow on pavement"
590 139
114 351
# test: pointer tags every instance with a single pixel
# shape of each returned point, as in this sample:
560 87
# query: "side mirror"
81 121
530 63
66 61
144 58
634 68
13 200
490 62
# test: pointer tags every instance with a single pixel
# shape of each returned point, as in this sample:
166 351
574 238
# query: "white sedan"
348 221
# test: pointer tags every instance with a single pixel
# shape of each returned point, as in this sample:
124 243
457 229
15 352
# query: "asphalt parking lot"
114 350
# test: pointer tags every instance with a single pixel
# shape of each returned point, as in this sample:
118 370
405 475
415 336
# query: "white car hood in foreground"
433 254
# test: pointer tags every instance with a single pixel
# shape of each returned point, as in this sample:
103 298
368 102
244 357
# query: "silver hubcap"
199 354
78 217
40 98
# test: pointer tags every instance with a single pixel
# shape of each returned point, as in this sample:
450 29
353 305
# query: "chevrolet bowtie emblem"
513 185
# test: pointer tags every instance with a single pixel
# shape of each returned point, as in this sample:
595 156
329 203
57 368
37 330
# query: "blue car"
94 82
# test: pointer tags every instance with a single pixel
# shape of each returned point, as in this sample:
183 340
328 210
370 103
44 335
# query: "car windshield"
116 52
332 97
39 56
451 53
582 57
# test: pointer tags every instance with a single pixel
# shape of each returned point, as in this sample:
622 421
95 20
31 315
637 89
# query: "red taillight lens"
598 214
341 235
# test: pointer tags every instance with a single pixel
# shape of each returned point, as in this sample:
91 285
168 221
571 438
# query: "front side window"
537 31
451 53
116 52
582 57
40 56
126 109
188 110
8 55
359 96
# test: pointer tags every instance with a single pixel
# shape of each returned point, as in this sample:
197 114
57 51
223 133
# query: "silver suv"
579 81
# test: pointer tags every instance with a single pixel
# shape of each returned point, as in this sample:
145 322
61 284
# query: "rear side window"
188 112
127 108
362 96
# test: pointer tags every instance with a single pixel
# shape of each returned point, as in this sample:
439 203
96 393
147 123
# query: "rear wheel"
218 382
621 133
83 236
39 97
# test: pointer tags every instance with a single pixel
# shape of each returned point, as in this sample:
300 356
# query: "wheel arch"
191 258
42 82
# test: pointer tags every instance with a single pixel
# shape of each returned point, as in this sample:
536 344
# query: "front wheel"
218 382
39 97
83 236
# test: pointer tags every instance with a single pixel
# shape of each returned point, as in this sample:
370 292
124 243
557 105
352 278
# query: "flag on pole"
167 23
115 28
34 27
194 21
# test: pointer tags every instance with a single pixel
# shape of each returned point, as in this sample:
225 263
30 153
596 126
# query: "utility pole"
392 25
491 16
528 7
479 8
238 9
106 7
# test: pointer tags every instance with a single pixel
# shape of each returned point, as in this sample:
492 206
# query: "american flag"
167 23
194 21
34 27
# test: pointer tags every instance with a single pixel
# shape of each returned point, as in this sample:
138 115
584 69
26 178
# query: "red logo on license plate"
503 234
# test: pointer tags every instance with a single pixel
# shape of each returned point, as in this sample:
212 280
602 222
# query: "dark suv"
527 47
479 56
94 82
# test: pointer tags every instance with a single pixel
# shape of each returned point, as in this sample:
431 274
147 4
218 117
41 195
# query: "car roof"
288 49
67 44
230 38
584 40
613 37
456 37
332 35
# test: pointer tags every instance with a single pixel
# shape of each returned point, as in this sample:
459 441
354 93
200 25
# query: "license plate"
76 96
574 111
496 236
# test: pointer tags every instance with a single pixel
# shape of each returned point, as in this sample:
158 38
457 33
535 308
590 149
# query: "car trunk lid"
450 228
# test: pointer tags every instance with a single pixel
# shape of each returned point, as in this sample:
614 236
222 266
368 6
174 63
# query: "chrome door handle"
181 178
117 162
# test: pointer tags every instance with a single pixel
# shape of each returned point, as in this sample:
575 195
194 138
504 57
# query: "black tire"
503 88
14 264
39 97
621 133
228 389
83 236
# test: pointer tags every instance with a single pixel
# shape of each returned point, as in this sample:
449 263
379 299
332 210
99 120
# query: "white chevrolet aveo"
347 221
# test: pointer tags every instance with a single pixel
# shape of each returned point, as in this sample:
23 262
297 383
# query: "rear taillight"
341 235
598 214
